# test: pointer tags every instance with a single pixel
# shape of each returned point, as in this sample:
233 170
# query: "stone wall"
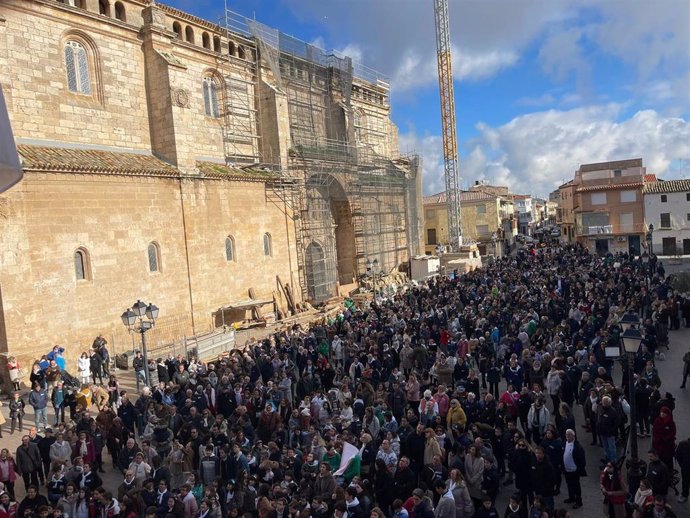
33 70
114 218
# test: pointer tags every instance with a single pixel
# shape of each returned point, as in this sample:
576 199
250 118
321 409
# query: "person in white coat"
84 368
538 418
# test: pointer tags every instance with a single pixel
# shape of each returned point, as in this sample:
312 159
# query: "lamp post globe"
632 338
140 318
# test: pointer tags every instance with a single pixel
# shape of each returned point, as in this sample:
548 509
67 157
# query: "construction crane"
450 142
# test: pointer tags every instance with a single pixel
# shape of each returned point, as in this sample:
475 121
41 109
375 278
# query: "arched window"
82 264
120 12
359 121
268 245
177 29
230 249
240 52
103 7
77 66
231 48
216 44
206 40
211 87
154 252
189 34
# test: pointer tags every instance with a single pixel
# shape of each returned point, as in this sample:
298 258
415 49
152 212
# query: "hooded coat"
664 434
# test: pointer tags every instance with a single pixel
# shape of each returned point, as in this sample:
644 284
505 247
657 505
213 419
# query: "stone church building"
185 163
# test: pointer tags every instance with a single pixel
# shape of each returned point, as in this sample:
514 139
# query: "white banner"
349 452
10 169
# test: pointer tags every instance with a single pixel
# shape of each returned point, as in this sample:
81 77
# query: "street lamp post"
140 318
494 237
650 243
631 338
372 270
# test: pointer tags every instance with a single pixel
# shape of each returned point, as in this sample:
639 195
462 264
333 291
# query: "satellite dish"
10 168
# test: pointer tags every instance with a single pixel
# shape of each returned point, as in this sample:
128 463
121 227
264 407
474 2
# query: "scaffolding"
351 198
241 126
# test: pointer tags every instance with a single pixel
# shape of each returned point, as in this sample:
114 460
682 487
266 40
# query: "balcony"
612 230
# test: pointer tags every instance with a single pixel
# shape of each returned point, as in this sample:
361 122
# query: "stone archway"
328 222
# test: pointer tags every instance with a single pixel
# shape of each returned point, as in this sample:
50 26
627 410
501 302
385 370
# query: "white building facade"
523 206
667 208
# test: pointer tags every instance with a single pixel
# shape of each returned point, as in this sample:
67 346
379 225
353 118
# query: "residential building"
550 212
506 209
608 206
480 214
667 208
565 214
524 209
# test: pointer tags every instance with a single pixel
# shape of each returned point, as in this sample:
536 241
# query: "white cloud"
416 70
562 58
398 38
353 50
534 153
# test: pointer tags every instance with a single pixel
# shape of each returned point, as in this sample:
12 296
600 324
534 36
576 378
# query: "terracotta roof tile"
46 158
667 186
610 187
650 178
215 170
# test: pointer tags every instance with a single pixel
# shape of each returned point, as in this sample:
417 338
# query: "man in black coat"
28 462
683 457
415 448
543 474
658 474
404 480
574 462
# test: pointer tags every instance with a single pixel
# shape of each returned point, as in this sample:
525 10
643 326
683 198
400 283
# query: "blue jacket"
39 399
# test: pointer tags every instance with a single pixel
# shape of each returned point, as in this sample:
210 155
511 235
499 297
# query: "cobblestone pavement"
670 372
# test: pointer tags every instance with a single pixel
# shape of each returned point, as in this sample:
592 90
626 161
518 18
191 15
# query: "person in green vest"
332 458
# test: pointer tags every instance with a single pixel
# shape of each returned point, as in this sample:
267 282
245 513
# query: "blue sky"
541 86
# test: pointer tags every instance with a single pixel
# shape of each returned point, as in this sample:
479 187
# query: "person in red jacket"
664 437
614 489
84 448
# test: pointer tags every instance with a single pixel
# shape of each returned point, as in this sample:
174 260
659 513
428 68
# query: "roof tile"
46 158
662 186
610 187
215 170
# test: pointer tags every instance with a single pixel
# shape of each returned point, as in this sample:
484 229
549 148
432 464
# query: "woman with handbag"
14 371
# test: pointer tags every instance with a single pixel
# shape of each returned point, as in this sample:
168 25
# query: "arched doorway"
328 224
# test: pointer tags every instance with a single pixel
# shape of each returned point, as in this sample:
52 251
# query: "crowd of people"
426 404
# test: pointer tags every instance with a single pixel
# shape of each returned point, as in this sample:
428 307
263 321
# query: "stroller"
69 381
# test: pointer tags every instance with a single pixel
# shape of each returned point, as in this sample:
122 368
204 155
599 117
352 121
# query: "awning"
248 303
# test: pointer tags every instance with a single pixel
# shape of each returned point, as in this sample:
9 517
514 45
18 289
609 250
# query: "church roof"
58 159
220 171
73 160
